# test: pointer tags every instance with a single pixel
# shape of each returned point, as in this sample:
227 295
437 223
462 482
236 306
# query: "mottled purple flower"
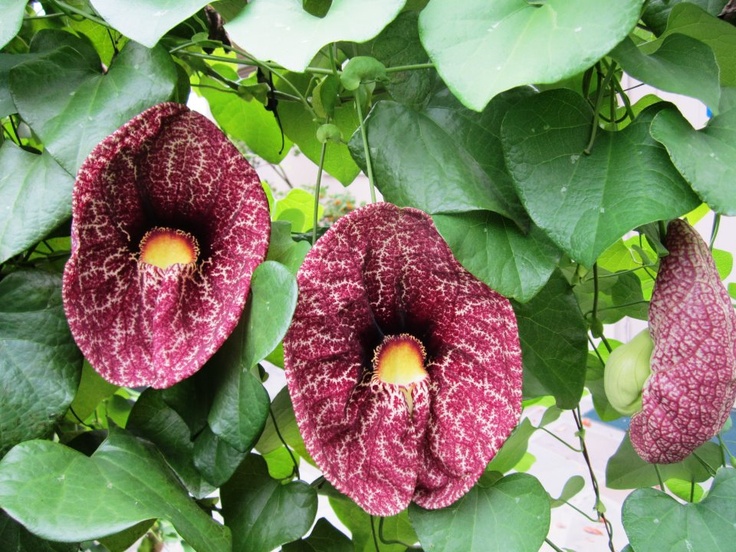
689 395
404 369
168 223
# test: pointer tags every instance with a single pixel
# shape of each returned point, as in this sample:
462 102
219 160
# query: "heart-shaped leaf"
41 365
11 18
689 19
153 419
680 64
262 512
494 250
482 48
454 161
37 194
324 538
72 106
215 458
146 21
240 405
554 343
41 483
585 202
706 158
655 521
281 31
626 470
511 514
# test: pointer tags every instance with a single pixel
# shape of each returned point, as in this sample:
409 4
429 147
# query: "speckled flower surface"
168 174
692 389
378 273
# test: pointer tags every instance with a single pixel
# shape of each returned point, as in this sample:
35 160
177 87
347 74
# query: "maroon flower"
404 369
689 395
169 222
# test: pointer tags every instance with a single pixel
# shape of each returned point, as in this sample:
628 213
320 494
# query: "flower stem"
318 184
714 230
659 477
366 150
553 545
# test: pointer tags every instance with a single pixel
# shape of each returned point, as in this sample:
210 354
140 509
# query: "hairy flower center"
400 360
163 247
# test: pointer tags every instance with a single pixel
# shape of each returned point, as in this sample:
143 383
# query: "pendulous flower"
404 369
168 223
689 395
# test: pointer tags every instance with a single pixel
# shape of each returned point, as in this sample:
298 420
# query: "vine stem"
598 103
593 480
317 187
278 433
553 545
366 151
714 230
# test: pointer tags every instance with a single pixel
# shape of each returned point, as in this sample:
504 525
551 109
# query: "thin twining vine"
295 469
599 507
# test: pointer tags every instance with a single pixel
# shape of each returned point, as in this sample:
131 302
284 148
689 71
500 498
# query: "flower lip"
399 360
163 247
692 388
387 437
169 221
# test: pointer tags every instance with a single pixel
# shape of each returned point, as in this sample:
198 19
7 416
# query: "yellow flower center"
399 360
163 247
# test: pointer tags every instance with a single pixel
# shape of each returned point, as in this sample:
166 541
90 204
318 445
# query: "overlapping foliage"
505 120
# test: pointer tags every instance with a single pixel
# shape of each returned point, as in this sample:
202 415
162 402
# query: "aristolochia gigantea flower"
168 223
689 395
404 369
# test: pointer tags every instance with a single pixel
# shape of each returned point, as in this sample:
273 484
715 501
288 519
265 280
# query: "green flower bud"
627 369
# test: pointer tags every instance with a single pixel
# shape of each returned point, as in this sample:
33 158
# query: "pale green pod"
627 369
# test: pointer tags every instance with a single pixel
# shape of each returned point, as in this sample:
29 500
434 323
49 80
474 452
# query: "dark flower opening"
168 223
404 369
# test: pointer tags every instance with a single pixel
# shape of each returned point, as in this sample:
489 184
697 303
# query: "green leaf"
123 541
724 262
493 249
691 20
298 208
587 202
572 487
362 69
706 158
399 45
655 521
688 491
11 19
481 48
300 34
36 193
300 126
362 526
7 62
146 21
60 494
240 405
262 512
274 294
324 538
16 538
514 448
155 420
554 343
72 106
283 411
625 470
680 64
92 389
245 119
511 514
215 459
285 250
454 161
656 12
41 365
